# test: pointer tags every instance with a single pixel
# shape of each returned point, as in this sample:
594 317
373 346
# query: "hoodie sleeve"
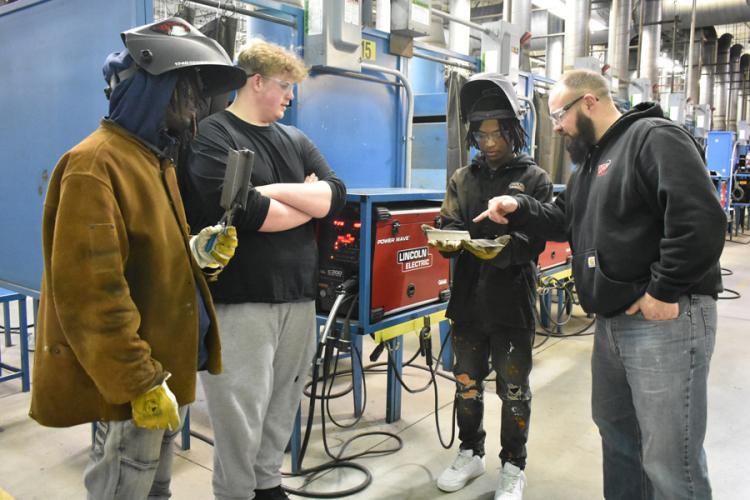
678 186
450 211
543 220
524 248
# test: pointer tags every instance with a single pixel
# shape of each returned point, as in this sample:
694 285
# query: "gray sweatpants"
266 354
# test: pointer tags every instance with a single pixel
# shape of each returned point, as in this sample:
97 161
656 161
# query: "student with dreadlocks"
494 294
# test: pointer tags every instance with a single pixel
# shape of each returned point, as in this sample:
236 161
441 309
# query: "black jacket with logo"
501 291
641 215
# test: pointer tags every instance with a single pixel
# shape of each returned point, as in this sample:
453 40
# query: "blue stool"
6 298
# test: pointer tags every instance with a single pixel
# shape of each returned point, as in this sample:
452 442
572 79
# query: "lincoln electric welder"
405 271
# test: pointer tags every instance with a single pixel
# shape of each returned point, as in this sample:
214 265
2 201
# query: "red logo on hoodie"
601 170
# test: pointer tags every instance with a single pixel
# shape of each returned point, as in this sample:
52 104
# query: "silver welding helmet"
174 43
489 95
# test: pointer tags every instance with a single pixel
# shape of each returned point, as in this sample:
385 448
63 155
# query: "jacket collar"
125 133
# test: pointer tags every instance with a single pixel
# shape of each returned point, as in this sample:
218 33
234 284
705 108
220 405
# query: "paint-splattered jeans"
649 401
509 350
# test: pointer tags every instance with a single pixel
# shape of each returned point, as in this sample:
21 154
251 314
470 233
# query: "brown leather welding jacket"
118 302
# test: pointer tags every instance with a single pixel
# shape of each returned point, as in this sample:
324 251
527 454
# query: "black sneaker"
276 493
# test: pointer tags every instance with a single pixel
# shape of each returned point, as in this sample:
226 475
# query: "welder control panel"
404 271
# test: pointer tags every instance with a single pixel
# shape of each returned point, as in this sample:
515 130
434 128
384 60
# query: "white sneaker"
512 483
464 468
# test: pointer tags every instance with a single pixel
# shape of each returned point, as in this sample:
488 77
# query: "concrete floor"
564 447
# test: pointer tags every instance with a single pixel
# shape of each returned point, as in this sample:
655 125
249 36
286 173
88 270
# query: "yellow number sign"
368 50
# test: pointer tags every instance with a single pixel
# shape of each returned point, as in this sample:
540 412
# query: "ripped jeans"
509 349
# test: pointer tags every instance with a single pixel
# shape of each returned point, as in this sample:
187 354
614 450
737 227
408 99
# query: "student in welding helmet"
126 318
494 286
266 296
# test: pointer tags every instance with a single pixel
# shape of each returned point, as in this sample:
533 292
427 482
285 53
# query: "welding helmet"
173 44
487 96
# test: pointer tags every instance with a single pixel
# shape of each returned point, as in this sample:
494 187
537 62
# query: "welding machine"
405 271
556 253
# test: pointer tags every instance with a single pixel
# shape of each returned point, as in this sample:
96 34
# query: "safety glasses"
557 116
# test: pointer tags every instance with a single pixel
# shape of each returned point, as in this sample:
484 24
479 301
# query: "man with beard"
265 299
646 229
493 293
126 318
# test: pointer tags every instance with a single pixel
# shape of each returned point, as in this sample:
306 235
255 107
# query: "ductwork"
695 71
743 91
548 36
520 15
708 13
618 45
576 31
708 68
721 82
651 40
735 80
554 66
458 34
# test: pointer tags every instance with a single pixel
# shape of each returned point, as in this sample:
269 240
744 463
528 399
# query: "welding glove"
442 246
214 246
156 408
445 246
486 249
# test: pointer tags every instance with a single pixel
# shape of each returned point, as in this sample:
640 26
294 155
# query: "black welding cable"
339 460
567 289
733 294
432 382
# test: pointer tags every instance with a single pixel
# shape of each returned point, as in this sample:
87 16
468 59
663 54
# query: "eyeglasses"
284 85
557 116
481 137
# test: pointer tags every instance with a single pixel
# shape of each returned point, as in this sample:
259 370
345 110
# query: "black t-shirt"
267 267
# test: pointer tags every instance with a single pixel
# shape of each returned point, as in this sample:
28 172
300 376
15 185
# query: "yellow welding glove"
214 246
486 249
442 245
156 408
445 246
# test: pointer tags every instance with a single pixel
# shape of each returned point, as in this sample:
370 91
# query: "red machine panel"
555 253
405 271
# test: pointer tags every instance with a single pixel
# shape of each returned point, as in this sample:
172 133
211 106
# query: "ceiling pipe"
735 80
708 67
742 98
520 15
693 63
618 46
650 41
458 34
721 82
578 14
555 49
708 13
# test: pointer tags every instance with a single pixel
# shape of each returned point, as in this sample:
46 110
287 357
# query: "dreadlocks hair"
511 130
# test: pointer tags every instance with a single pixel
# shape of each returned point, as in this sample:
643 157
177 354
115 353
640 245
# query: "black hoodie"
640 213
501 291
